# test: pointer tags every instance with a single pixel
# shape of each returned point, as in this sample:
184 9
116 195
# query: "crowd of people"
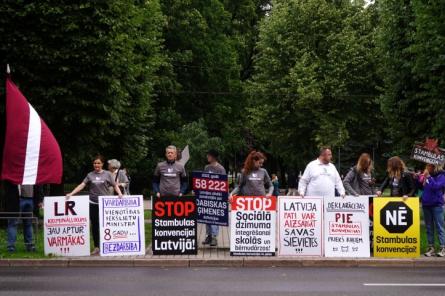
320 178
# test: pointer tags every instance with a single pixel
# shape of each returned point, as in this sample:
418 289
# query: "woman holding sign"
433 184
359 179
254 179
399 180
98 182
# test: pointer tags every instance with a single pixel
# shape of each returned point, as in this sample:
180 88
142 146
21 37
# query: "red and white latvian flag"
31 154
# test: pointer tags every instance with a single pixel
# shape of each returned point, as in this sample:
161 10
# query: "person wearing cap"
119 176
170 178
213 167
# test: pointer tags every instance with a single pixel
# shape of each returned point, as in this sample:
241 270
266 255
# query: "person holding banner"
321 178
170 177
98 182
359 179
399 180
254 180
433 184
214 167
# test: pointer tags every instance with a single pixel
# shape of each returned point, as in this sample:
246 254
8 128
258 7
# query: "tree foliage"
127 78
88 68
315 78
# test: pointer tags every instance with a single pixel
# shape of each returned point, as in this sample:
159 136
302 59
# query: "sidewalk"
178 261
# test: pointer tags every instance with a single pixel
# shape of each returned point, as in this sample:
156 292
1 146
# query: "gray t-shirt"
170 175
119 176
98 184
254 184
215 169
26 191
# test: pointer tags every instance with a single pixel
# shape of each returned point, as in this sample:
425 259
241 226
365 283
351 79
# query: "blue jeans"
434 221
212 230
26 210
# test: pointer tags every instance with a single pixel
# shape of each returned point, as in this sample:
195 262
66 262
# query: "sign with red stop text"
174 226
253 226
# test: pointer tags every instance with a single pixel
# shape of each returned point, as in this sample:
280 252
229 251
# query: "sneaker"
95 252
429 252
208 240
213 241
441 253
31 249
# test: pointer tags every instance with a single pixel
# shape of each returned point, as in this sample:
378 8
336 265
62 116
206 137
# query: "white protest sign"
301 226
67 226
346 226
253 226
122 228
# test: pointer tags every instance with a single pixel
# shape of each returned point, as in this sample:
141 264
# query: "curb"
226 263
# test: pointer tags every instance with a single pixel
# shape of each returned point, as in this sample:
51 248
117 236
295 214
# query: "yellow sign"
396 227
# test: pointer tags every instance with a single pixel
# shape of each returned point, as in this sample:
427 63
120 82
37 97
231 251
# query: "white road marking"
404 284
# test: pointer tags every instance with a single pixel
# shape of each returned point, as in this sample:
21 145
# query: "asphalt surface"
222 281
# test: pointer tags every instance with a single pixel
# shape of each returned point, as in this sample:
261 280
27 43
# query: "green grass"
147 214
20 247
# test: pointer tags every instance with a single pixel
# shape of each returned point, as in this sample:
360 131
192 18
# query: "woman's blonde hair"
364 163
396 167
437 168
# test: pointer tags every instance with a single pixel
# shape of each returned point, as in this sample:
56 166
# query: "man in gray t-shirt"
170 177
216 168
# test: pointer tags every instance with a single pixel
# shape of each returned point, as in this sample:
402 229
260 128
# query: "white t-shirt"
320 179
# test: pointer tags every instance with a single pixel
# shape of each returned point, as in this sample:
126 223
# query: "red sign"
254 203
210 185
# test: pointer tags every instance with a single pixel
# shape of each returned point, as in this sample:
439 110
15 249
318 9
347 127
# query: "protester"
254 180
292 183
399 180
214 167
359 179
433 184
321 178
98 182
119 176
170 177
276 185
26 194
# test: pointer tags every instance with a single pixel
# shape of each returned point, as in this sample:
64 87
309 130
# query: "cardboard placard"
174 226
253 226
346 226
396 227
211 191
122 227
301 226
429 152
67 226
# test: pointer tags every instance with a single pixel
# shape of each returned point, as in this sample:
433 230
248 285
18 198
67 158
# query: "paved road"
221 281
